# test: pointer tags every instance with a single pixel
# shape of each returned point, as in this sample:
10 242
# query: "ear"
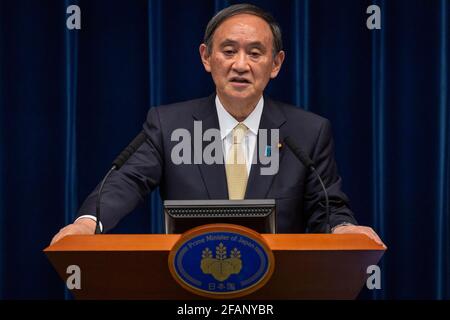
277 63
204 55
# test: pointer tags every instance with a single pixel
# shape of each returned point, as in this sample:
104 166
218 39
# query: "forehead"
244 28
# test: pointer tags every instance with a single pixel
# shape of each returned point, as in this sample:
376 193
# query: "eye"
229 52
255 54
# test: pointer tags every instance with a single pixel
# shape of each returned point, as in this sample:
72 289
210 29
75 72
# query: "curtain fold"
2 167
301 51
378 137
71 100
443 181
71 72
70 160
155 33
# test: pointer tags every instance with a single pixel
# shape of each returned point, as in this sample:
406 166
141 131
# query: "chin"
233 94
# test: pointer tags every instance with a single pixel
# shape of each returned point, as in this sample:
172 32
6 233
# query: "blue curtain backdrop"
70 100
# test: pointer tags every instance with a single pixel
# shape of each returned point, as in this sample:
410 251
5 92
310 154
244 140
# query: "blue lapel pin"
268 151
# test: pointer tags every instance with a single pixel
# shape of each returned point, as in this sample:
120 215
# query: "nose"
240 64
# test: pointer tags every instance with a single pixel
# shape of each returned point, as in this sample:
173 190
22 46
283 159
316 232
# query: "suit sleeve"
127 187
340 212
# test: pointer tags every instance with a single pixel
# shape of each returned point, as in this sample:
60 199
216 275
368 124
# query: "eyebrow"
254 44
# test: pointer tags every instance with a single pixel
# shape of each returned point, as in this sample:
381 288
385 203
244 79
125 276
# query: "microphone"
308 163
116 165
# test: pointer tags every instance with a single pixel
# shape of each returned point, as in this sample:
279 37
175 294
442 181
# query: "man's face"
241 61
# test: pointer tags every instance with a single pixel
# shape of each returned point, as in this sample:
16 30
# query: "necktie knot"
239 133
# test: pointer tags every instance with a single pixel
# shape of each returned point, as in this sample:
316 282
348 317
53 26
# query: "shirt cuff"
88 216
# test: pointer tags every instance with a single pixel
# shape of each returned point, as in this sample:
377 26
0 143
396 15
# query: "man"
242 50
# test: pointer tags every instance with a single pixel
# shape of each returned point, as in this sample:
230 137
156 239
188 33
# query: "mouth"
239 80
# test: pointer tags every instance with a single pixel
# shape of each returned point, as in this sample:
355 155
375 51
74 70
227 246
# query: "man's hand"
81 226
359 229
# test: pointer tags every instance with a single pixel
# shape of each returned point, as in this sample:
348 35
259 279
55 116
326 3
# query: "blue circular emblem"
221 261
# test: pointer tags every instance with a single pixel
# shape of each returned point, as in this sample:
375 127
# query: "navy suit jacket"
299 197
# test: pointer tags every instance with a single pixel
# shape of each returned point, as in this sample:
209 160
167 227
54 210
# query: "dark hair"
243 8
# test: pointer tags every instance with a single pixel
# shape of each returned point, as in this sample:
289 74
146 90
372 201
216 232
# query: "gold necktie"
236 165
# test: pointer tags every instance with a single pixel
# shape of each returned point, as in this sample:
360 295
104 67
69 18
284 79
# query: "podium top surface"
163 242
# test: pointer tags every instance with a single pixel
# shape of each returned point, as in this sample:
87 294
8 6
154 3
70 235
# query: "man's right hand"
81 226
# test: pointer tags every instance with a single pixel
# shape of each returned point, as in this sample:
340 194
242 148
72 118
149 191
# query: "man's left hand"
360 229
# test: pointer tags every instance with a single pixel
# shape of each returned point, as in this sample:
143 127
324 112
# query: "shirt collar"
227 122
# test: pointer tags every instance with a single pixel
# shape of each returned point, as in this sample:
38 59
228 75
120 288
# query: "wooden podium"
307 266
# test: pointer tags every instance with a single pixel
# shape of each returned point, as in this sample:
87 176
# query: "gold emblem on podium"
221 267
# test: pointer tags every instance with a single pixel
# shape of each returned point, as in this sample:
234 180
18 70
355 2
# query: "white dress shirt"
227 124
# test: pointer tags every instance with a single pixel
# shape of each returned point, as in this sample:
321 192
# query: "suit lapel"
258 185
213 175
